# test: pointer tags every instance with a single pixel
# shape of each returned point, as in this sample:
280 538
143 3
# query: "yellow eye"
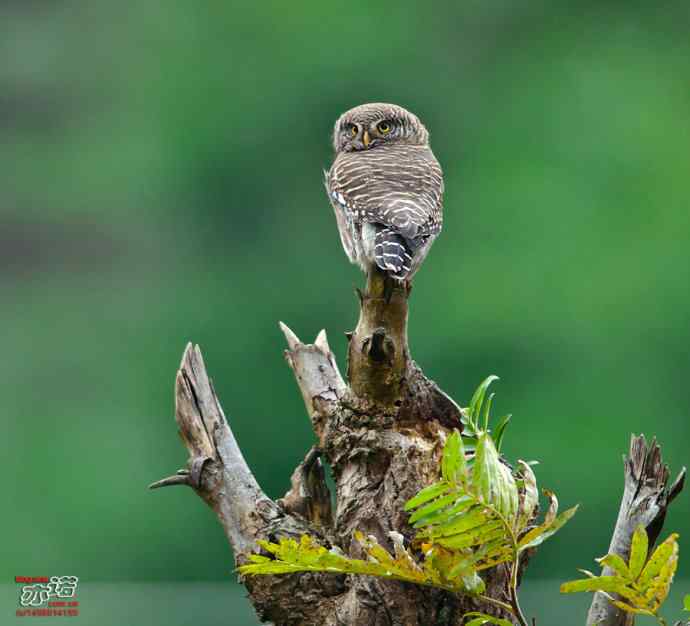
383 127
353 131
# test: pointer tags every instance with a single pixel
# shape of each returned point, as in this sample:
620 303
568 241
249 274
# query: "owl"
386 188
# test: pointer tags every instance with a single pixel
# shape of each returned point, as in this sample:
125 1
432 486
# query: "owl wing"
400 187
343 216
400 190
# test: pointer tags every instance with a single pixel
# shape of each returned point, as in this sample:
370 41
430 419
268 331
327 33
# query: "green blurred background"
161 182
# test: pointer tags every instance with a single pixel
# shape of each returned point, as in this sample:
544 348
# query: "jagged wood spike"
321 341
292 339
171 481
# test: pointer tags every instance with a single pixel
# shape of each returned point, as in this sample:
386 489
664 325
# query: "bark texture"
646 497
381 432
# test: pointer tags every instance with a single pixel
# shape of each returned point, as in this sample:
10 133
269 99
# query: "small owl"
386 187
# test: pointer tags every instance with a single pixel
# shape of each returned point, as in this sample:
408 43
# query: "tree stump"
381 432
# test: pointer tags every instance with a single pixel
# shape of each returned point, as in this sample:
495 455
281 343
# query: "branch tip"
180 478
186 355
292 339
321 341
677 485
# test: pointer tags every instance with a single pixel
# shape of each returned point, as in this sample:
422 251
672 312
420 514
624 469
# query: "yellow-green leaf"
432 507
630 609
660 585
596 583
447 515
474 536
638 551
617 564
427 494
608 584
499 431
306 555
507 500
492 480
453 466
660 556
541 533
478 399
646 594
258 558
461 523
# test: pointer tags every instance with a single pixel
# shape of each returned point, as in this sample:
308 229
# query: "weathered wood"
378 463
317 376
381 373
309 495
378 352
216 469
646 498
218 473
382 434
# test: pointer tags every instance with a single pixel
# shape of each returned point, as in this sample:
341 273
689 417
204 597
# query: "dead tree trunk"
380 432
646 498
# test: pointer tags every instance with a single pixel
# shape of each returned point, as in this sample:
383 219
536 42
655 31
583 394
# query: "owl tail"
392 253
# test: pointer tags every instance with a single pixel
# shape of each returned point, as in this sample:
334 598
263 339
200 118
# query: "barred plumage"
392 253
386 188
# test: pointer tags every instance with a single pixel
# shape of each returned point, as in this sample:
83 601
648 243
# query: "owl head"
369 126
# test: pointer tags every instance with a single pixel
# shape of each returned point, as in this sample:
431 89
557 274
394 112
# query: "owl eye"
353 130
384 127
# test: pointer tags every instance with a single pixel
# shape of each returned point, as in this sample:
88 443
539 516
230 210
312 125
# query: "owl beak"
366 140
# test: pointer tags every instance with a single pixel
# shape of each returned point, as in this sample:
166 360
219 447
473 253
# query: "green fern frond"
642 583
481 505
440 568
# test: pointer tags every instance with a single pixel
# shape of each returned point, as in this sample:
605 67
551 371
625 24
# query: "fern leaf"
618 565
450 460
477 516
642 588
541 533
433 507
308 556
444 516
478 400
500 430
664 552
427 494
492 480
638 551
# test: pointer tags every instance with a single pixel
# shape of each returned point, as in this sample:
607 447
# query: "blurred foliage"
161 181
